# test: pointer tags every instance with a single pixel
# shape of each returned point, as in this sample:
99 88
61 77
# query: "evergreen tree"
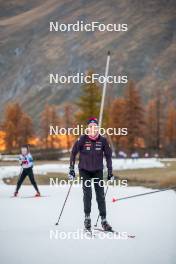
154 133
89 101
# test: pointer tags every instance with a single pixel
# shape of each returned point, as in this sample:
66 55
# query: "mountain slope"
29 52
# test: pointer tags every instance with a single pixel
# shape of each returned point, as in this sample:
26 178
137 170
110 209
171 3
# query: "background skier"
92 147
26 162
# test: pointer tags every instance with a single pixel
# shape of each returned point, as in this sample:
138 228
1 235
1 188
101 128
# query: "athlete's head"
93 128
24 149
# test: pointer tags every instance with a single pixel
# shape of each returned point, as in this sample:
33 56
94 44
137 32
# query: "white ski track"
38 197
26 223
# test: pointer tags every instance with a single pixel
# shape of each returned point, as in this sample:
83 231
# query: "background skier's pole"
99 214
64 204
142 194
104 90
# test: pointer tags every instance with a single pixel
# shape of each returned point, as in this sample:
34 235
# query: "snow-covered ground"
142 163
26 223
118 164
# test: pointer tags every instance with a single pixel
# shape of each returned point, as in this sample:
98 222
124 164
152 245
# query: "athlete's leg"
32 179
87 190
99 190
21 179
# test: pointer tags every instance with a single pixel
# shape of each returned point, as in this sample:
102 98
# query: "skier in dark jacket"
91 149
26 162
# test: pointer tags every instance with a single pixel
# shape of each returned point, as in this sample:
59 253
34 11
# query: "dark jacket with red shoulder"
91 153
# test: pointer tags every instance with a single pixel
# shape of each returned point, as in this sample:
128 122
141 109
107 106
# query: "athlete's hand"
110 176
71 174
24 162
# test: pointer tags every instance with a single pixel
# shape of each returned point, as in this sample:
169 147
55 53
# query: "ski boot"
87 223
105 225
37 194
15 194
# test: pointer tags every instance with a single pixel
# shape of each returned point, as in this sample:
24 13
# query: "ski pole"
137 195
99 213
104 90
64 204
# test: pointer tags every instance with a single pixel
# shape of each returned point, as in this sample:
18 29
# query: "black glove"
71 174
110 176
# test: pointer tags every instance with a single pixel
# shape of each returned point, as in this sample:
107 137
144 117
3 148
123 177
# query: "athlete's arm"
20 160
74 152
108 155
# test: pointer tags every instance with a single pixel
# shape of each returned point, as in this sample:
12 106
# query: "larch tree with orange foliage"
68 122
116 120
170 126
133 115
17 126
151 125
49 117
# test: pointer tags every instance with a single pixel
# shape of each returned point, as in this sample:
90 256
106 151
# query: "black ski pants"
27 172
97 177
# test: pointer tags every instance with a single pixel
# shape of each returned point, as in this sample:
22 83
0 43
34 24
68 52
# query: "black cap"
92 120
